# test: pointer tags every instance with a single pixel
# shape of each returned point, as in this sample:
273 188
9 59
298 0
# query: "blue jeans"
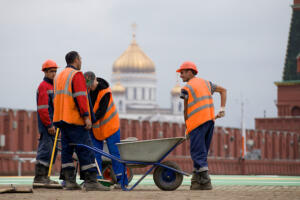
113 150
78 135
200 139
45 147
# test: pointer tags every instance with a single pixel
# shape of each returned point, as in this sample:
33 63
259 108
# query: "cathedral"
134 88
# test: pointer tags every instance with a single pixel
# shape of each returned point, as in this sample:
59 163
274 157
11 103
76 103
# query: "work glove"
221 113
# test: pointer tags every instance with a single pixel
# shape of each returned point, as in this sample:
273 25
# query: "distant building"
134 88
288 90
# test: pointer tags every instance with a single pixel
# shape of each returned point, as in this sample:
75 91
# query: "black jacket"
102 84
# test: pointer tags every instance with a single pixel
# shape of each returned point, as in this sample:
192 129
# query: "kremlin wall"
268 152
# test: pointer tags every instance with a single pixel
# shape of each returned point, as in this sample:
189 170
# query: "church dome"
176 90
118 88
134 60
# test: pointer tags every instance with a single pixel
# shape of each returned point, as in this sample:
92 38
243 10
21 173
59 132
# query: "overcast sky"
237 44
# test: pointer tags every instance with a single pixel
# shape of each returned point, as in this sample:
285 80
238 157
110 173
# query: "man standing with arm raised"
199 118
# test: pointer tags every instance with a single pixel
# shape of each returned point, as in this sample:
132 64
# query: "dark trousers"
78 135
113 150
200 139
45 147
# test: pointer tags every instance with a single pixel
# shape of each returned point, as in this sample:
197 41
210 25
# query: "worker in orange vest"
199 118
107 125
72 115
44 98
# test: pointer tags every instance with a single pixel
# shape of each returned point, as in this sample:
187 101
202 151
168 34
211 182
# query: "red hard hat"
187 65
49 64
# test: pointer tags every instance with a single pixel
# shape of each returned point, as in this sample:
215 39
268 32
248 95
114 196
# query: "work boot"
41 178
204 177
195 185
40 171
205 181
91 183
201 181
118 186
70 180
41 175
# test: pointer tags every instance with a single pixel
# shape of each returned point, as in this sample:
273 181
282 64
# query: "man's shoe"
118 186
206 186
40 172
204 177
195 186
70 180
201 181
41 179
91 183
71 185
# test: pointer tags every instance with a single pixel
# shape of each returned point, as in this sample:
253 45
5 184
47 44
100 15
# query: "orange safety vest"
200 108
65 108
109 123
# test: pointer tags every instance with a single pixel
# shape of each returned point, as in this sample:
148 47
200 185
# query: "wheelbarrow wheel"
167 179
108 174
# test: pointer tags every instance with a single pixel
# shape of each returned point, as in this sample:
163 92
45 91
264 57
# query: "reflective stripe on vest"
200 103
196 100
66 91
107 119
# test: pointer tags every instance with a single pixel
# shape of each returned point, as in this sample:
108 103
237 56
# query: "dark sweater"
100 112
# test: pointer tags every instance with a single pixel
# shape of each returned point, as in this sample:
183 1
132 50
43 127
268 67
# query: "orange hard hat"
49 64
187 65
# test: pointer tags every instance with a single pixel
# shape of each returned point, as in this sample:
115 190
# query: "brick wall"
276 147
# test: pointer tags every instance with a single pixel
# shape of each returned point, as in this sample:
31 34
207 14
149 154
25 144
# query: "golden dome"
134 60
176 89
118 88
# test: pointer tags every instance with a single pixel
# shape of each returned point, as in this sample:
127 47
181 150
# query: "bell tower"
288 90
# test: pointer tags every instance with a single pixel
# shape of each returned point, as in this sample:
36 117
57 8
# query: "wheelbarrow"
167 175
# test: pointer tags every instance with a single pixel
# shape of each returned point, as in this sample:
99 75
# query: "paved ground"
225 187
216 180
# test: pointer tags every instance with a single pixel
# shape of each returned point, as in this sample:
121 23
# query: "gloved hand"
221 113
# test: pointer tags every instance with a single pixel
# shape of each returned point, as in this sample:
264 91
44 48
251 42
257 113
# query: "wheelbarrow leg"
123 177
126 189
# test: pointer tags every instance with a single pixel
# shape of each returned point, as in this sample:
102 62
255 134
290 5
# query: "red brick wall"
291 124
288 97
21 134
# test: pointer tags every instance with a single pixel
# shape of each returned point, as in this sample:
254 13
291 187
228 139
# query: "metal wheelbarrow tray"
167 175
147 150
